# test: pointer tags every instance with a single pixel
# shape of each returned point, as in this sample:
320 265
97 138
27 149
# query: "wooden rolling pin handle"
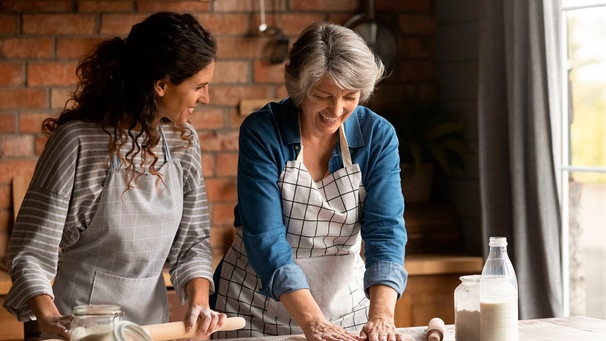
176 330
435 329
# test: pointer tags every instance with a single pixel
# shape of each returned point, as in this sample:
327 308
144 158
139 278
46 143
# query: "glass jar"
467 308
95 322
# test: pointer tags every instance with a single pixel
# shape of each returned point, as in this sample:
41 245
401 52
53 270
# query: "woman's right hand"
305 311
52 324
326 331
55 327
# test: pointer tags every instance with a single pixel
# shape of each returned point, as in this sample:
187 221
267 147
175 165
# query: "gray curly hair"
330 50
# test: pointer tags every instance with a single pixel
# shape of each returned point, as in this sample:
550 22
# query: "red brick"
8 24
75 48
236 6
59 96
222 237
218 140
268 73
175 6
231 95
208 165
235 119
120 24
240 47
323 5
17 145
223 214
231 72
11 168
219 190
31 122
417 24
415 47
413 70
85 6
294 23
23 99
225 24
207 117
281 91
33 6
26 48
227 164
11 74
404 6
8 123
59 23
6 201
52 73
39 144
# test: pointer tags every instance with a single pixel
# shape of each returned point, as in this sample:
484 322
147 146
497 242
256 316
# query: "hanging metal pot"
380 37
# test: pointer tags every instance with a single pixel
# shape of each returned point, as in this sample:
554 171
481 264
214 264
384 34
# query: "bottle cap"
498 241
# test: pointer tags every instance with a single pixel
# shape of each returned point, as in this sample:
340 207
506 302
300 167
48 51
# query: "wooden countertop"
433 264
5 282
576 328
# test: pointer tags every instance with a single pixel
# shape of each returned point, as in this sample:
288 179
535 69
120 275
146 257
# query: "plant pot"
417 186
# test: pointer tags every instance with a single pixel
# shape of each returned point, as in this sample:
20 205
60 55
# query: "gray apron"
323 228
119 257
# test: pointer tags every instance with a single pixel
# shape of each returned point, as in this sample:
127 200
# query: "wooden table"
576 328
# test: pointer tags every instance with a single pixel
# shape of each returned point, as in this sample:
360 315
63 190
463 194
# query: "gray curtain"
517 95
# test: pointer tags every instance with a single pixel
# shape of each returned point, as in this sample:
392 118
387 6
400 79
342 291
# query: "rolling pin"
435 329
171 330
176 330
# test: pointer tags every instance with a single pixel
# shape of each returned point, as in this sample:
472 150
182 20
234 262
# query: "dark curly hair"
116 82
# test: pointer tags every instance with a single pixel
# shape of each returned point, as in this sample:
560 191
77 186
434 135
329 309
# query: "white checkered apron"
119 257
323 228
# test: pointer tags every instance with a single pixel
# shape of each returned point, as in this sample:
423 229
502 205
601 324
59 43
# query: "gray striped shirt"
61 202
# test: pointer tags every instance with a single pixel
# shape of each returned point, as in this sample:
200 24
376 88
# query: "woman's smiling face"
328 109
178 102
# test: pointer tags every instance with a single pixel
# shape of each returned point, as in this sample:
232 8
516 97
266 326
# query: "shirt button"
296 147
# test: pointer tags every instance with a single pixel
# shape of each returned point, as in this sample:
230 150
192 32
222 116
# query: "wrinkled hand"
326 331
207 320
380 329
55 327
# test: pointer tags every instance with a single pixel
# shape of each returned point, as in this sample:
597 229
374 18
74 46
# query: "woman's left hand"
380 329
206 319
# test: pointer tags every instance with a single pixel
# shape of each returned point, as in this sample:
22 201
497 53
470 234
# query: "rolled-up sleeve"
383 228
259 210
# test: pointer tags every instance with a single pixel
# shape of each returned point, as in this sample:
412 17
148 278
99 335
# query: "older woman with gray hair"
318 174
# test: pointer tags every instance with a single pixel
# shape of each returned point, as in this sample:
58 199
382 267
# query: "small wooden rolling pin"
435 329
176 330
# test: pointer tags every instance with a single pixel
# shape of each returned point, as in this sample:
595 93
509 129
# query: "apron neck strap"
345 154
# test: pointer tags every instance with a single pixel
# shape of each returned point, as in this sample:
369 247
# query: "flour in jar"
93 333
467 325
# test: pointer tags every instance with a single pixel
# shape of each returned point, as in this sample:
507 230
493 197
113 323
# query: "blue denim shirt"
268 139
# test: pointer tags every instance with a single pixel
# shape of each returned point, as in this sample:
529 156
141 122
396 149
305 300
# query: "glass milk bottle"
467 308
498 295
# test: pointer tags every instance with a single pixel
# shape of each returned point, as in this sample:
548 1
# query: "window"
584 156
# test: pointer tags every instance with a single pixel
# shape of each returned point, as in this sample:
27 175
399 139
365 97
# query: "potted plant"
430 138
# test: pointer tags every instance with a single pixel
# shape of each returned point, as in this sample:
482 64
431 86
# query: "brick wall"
41 42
